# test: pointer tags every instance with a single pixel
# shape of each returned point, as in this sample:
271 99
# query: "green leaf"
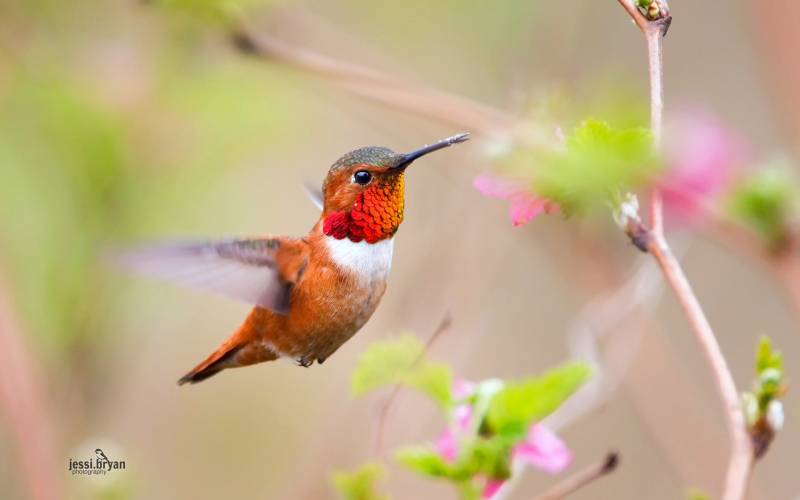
766 357
766 202
490 457
769 371
360 484
426 461
520 404
751 408
434 379
402 361
478 457
385 363
597 162
467 490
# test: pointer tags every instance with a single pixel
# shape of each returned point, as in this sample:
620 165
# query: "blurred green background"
125 121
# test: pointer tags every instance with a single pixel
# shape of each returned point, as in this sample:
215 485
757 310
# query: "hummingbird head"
364 191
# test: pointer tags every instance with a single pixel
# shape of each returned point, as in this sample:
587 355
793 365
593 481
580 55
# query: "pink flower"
492 487
463 416
543 450
447 446
701 158
524 205
463 389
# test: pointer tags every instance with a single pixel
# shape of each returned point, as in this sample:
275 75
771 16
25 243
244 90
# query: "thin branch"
582 479
376 86
741 449
655 38
383 414
637 16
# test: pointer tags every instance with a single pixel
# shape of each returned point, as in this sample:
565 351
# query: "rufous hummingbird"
311 294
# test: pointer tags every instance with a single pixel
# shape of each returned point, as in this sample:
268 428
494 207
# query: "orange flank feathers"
236 351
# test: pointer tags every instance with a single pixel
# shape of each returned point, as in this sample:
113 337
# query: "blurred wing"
315 194
243 269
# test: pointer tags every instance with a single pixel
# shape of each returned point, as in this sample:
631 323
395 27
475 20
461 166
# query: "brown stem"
637 16
655 37
582 478
741 450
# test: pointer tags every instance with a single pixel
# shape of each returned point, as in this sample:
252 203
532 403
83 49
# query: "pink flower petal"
544 450
447 446
524 208
495 187
524 205
701 158
463 415
491 488
463 388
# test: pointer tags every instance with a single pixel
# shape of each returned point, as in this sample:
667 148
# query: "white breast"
370 261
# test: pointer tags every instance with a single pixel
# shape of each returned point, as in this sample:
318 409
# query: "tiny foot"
305 361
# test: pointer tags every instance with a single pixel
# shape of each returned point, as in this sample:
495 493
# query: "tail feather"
218 361
241 349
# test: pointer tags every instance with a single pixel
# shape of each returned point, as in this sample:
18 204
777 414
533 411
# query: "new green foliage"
427 461
519 404
595 162
486 423
501 414
361 483
488 456
766 203
762 406
769 369
402 361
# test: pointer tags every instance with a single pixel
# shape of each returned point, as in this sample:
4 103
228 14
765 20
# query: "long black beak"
444 143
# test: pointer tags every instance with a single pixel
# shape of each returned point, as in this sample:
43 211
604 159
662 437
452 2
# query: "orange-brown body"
329 303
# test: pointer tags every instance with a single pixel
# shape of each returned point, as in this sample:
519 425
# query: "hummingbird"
310 294
102 456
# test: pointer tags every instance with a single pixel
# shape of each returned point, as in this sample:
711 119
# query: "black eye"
362 177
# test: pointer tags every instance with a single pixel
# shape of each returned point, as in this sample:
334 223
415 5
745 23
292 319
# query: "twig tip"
611 463
243 42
